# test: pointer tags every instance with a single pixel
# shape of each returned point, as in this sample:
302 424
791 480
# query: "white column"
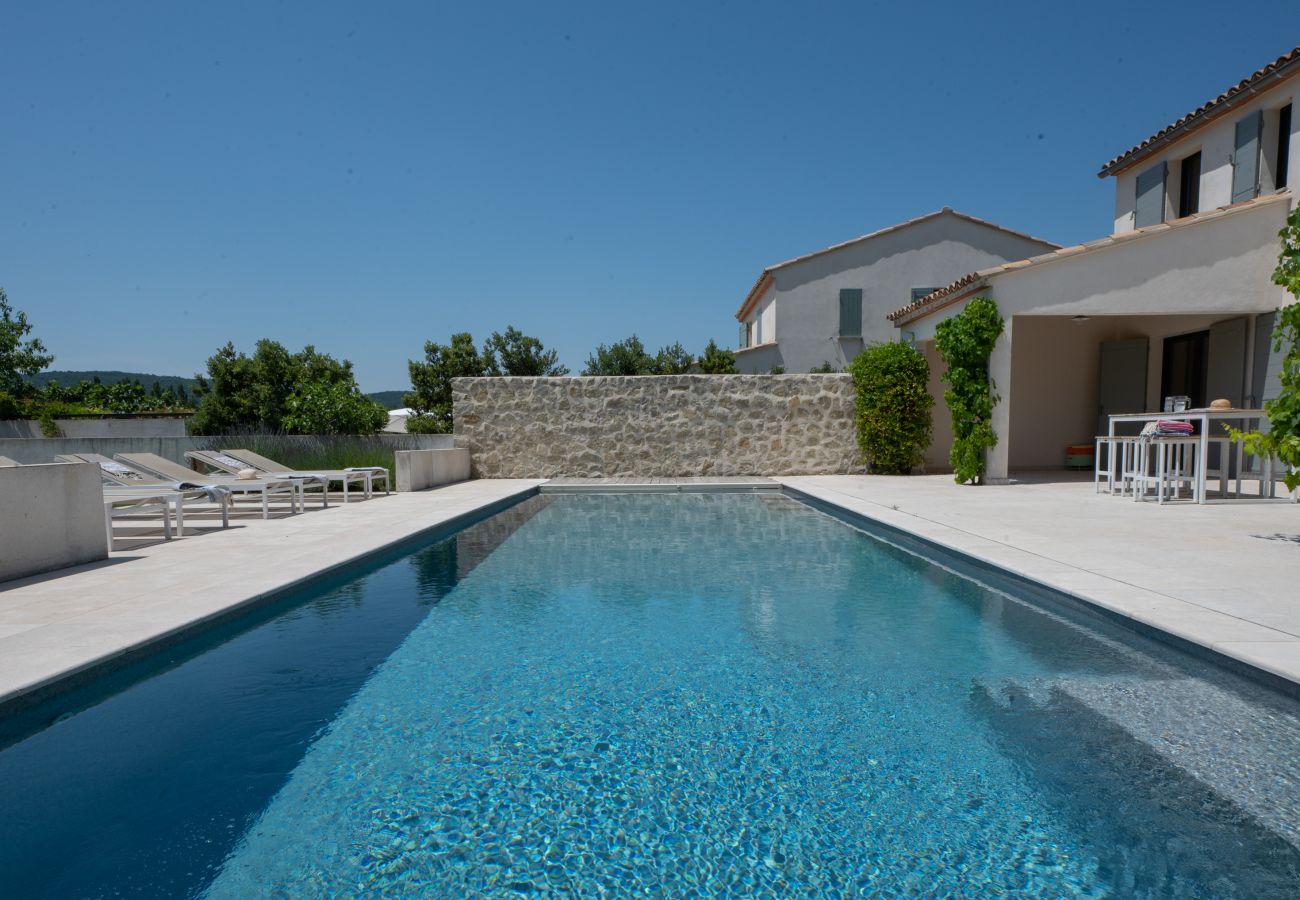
1000 372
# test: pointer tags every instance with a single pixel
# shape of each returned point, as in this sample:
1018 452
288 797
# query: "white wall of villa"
1162 283
795 321
1216 142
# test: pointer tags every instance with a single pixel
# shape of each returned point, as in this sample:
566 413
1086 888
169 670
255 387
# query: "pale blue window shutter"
1150 206
758 329
851 312
1245 158
743 329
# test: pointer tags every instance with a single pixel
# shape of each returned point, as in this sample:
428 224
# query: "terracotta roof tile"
1278 68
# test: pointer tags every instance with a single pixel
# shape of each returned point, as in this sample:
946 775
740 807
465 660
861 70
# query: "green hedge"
893 407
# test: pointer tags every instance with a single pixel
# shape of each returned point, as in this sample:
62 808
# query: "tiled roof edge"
1278 68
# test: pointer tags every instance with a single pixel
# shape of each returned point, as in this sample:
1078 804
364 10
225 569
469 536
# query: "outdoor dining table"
1205 416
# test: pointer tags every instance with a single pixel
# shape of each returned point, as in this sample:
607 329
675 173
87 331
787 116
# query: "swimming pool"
657 694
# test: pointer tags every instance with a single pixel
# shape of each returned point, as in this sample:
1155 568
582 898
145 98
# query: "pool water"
685 695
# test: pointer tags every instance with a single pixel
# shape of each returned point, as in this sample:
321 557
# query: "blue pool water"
686 695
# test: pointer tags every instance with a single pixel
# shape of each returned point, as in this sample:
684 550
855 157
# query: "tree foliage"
672 360
252 392
625 357
717 361
515 353
965 342
893 407
430 395
1282 439
20 356
332 407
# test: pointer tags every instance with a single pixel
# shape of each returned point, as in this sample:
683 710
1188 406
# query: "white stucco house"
824 307
1177 300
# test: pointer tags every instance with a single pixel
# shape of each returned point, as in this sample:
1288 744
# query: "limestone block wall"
657 426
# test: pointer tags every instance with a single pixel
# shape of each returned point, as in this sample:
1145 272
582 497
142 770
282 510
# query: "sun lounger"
273 468
164 468
310 480
115 474
120 501
196 488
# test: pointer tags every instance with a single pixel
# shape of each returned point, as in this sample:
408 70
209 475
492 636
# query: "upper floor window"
1245 157
918 293
1281 168
758 329
1189 185
744 335
1149 208
850 312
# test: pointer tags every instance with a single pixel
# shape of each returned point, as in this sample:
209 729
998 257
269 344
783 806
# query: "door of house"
1225 373
1122 383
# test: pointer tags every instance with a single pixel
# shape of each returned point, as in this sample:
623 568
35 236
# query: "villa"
1177 301
826 306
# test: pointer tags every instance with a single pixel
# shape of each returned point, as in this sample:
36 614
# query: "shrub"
965 342
893 407
9 407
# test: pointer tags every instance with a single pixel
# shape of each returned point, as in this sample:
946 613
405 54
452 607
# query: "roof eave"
755 294
1244 91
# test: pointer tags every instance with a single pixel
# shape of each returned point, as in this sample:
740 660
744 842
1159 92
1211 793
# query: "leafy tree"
332 407
430 395
965 342
716 361
1283 436
672 360
252 392
515 353
20 357
625 357
893 406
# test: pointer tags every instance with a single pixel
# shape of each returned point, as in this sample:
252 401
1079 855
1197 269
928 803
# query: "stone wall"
657 426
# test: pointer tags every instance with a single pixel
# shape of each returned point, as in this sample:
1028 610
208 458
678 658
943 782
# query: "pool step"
628 485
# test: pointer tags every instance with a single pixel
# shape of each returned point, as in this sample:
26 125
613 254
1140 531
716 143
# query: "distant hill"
66 377
388 399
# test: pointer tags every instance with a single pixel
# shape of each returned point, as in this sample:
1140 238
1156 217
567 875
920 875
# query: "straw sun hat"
1221 404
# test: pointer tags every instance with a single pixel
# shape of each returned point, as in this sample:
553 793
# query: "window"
1184 365
851 312
744 335
918 293
1245 157
758 329
749 334
1281 170
1149 208
1189 185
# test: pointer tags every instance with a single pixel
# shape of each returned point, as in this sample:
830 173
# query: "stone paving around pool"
61 623
1225 575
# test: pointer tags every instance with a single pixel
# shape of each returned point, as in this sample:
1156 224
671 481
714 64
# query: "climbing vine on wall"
1283 437
965 342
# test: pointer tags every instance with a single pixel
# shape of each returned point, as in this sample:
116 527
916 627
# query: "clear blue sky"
364 177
